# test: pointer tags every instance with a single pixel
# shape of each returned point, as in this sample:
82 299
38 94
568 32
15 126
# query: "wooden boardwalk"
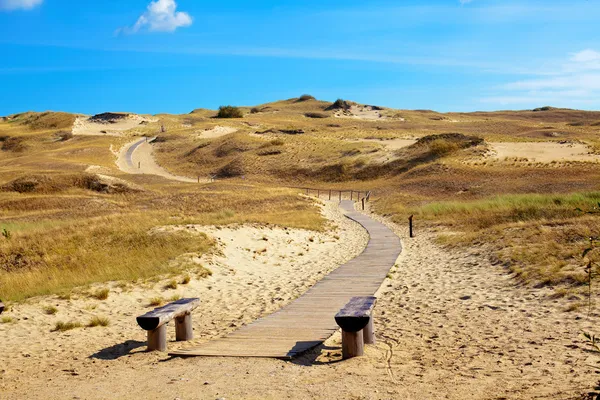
309 320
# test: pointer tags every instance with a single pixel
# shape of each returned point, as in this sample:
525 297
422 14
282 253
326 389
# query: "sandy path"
544 152
247 283
136 158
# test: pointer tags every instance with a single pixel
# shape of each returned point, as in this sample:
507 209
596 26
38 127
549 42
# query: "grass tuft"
66 326
98 321
101 294
50 310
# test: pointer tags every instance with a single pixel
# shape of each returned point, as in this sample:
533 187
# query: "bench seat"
155 322
356 321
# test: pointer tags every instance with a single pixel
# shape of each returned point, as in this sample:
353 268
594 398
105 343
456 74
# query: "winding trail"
309 320
136 158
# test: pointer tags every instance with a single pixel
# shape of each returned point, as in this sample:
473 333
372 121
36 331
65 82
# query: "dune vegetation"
71 218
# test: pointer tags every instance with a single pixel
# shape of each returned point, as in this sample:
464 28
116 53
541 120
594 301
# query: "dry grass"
98 321
7 320
172 284
101 294
66 326
156 302
537 237
50 310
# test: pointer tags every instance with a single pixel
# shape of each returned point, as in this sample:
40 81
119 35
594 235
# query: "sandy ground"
216 132
360 112
83 126
449 325
247 283
136 158
544 152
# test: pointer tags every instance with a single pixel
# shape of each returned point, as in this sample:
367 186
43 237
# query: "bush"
229 112
14 144
254 110
316 115
546 108
305 97
339 104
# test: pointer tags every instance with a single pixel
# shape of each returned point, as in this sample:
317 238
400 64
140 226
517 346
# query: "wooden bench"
1 307
356 322
155 322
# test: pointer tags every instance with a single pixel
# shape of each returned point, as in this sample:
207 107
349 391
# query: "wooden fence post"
363 203
139 164
318 193
352 195
330 195
340 195
410 226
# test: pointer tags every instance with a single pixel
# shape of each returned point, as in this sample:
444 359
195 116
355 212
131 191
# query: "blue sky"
176 55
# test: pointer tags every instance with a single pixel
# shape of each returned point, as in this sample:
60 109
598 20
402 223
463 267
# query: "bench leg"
183 328
157 339
352 344
369 332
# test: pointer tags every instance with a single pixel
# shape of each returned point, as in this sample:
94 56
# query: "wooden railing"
361 196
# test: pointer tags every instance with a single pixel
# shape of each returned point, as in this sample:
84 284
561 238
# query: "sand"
390 144
543 152
84 127
216 132
449 325
136 158
360 112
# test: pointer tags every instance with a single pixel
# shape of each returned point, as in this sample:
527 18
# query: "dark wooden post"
319 193
369 333
363 203
352 195
183 328
329 194
340 195
410 226
352 344
139 164
157 339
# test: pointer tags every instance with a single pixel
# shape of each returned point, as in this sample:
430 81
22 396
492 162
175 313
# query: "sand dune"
544 152
86 127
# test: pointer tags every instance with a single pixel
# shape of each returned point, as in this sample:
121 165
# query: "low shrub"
316 115
229 112
305 97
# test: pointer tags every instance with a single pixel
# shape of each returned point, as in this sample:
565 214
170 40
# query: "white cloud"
575 81
161 16
19 4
